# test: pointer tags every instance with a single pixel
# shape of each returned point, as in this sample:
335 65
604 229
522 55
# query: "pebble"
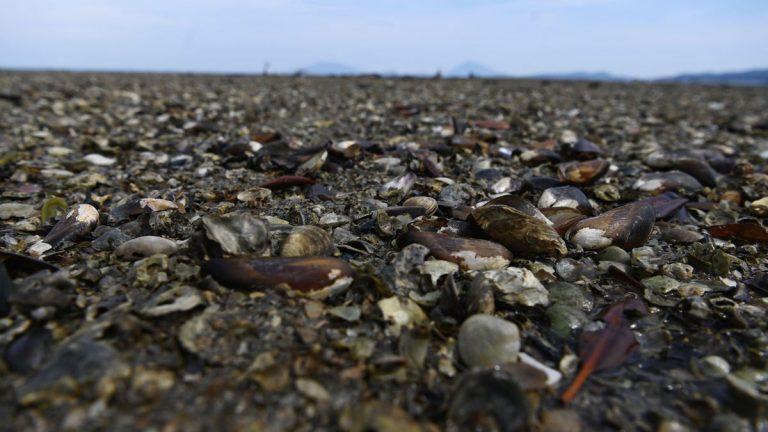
485 341
145 246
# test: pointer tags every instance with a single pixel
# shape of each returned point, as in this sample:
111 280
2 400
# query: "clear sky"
638 38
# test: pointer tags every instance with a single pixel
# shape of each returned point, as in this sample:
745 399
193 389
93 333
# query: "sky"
633 38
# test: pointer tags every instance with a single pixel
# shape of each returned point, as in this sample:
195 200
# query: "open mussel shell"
627 227
565 196
307 240
313 164
583 172
470 254
79 222
519 232
316 277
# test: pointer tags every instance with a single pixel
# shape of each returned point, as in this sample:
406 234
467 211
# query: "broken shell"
519 232
316 277
307 240
429 204
79 222
470 254
664 181
256 195
514 285
583 172
238 233
348 149
313 164
145 246
565 196
627 227
399 185
140 206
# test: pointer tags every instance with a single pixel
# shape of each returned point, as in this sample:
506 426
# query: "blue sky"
639 38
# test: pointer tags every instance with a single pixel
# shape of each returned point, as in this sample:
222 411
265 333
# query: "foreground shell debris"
290 253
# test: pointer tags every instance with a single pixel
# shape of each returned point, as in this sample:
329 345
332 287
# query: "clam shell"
470 254
317 277
307 240
427 203
520 233
627 227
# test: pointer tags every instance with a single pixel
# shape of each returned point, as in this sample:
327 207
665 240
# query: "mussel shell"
627 227
470 254
307 240
520 233
316 277
565 196
583 172
78 222
669 180
582 149
563 218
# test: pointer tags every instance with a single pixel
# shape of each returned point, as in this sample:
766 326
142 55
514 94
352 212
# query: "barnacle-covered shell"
627 227
470 254
520 233
317 277
307 240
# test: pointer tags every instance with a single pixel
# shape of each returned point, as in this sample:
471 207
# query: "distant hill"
581 76
329 68
751 77
469 68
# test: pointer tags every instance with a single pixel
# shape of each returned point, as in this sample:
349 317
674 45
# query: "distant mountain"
581 76
329 68
751 77
469 68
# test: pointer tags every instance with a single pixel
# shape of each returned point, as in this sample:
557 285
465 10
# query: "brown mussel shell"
520 233
627 227
469 254
316 277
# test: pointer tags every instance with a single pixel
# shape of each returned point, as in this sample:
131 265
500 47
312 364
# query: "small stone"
16 210
485 341
146 246
614 254
312 389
